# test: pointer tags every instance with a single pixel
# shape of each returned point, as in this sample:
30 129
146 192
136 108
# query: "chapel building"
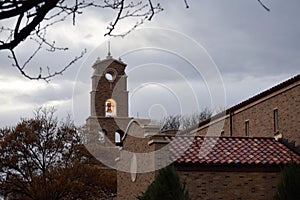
240 158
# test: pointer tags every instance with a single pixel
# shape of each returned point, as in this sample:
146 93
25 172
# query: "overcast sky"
247 49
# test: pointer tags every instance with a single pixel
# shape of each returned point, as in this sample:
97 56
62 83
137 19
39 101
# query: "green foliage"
289 187
166 186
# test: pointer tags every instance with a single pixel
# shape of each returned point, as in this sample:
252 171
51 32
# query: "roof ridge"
250 100
229 150
215 136
266 92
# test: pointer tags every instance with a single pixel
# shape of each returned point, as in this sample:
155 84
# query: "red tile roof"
229 150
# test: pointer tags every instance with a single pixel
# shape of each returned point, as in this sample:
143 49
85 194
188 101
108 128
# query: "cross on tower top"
108 51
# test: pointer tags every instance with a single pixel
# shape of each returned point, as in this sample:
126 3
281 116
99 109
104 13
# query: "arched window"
118 138
110 108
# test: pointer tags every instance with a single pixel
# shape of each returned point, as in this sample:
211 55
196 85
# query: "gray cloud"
242 37
252 48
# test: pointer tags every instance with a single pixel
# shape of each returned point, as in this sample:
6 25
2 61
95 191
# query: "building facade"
272 113
244 161
108 102
255 125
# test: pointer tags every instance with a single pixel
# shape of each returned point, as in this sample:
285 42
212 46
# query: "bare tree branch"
33 18
186 4
42 76
152 10
113 25
131 10
27 30
263 5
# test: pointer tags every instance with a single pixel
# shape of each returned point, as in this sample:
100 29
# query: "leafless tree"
179 122
30 20
26 20
194 119
170 123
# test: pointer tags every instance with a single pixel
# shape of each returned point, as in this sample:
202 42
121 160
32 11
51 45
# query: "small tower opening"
109 76
101 135
110 108
118 138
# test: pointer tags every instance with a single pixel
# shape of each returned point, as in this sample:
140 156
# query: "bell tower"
108 102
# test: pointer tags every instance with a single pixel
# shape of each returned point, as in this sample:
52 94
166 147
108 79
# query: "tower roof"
108 59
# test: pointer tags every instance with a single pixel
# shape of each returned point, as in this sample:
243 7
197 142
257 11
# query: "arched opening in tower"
118 137
110 108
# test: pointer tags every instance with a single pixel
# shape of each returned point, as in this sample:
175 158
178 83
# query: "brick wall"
207 185
111 90
135 142
260 115
130 190
111 125
102 90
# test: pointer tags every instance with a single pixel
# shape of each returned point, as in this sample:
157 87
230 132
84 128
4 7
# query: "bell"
108 110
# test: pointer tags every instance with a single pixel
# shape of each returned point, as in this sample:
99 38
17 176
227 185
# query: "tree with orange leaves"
44 158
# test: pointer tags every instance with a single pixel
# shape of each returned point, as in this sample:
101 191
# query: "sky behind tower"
251 48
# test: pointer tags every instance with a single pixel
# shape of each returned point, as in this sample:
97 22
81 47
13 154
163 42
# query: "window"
109 77
110 108
118 137
110 74
222 133
102 135
275 117
247 129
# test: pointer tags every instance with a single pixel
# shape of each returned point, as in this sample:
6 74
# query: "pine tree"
166 186
289 187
